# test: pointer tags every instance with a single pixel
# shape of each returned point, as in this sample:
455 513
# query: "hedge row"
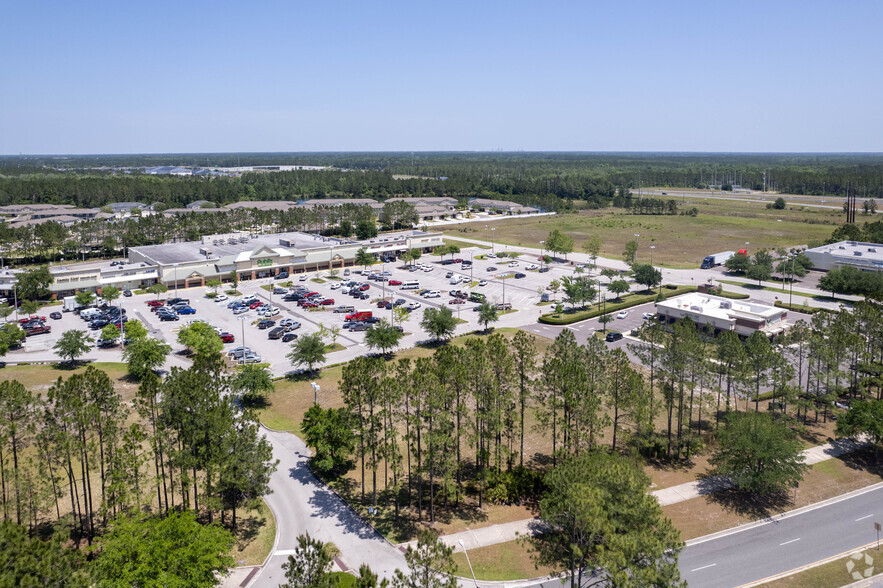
801 308
628 301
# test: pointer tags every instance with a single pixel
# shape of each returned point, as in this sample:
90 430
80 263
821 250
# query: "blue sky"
193 76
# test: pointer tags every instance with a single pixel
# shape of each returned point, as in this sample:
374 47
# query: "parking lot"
501 286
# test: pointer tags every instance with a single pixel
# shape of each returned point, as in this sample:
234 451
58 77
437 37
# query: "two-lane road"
795 540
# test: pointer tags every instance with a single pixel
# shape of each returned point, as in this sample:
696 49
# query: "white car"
427 269
432 294
303 278
412 305
249 299
220 298
622 314
647 316
482 283
532 266
491 255
272 311
580 266
335 286
240 309
513 264
344 290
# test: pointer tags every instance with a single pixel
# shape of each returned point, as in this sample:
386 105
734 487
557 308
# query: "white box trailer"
69 304
716 259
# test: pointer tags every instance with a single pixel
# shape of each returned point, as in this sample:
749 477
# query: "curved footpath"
302 504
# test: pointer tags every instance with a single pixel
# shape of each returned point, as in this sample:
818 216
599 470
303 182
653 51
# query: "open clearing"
680 241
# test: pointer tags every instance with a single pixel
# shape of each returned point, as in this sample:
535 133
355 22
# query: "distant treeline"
537 179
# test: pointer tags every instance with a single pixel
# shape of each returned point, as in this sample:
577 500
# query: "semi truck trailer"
716 259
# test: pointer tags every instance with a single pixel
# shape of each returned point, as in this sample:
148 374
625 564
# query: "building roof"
719 307
124 206
851 253
169 211
22 208
263 204
169 169
425 200
64 220
500 204
337 201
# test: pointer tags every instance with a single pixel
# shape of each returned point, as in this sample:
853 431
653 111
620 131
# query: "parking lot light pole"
463 545
316 389
492 239
175 265
542 252
652 247
637 236
242 323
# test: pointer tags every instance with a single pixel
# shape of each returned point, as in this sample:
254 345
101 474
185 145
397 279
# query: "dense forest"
538 179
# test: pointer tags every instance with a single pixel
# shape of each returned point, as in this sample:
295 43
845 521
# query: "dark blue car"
185 310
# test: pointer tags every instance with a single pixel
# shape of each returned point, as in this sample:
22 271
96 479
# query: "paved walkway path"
501 533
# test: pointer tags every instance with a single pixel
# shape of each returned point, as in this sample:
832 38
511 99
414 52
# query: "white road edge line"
704 567
787 542
864 517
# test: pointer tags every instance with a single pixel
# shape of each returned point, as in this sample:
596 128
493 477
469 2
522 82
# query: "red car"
310 305
255 304
311 294
227 338
456 301
32 318
155 303
395 282
384 304
458 260
363 287
327 301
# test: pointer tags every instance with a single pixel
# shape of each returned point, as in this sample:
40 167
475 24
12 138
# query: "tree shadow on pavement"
325 504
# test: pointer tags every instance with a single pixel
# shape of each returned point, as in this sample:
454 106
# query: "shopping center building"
724 314
251 256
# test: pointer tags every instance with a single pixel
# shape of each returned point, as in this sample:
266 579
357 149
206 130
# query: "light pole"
471 263
492 239
791 286
463 545
242 323
316 389
175 266
652 247
542 252
637 236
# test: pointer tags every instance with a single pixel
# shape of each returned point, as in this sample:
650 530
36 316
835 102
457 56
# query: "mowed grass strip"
502 562
679 241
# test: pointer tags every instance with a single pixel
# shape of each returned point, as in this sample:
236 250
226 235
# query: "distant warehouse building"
864 256
723 314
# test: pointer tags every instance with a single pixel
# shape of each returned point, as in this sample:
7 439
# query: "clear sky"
219 76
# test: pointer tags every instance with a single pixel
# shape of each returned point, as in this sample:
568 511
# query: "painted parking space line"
696 570
787 542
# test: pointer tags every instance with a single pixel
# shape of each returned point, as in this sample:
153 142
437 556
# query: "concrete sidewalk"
501 533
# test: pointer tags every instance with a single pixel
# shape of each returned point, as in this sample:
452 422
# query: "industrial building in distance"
863 256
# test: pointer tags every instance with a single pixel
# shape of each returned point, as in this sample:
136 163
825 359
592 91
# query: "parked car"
266 324
227 338
513 264
491 255
185 310
220 298
55 315
543 270
240 309
127 293
519 275
359 327
395 282
412 305
303 278
399 302
98 324
249 299
276 333
334 286
622 314
282 276
288 337
482 282
364 287
103 343
613 336
647 316
155 303
492 269
169 317
364 296
532 266
456 301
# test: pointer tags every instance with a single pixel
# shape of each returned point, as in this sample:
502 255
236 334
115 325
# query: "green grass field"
679 241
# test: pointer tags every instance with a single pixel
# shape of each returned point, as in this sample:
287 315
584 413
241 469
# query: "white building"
864 256
724 314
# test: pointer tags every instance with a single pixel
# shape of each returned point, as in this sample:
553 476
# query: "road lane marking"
864 517
787 542
704 567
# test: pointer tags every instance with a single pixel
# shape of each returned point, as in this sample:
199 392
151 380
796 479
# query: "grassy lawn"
501 562
835 573
255 534
681 241
40 377
464 244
